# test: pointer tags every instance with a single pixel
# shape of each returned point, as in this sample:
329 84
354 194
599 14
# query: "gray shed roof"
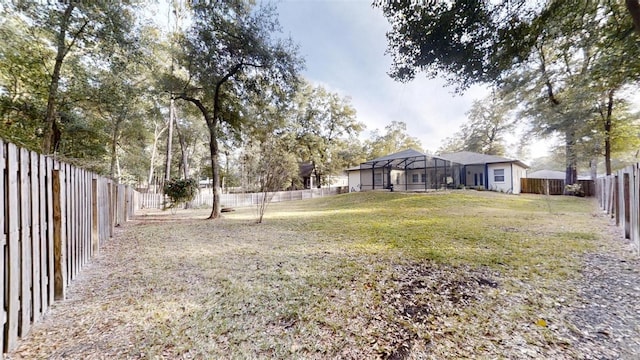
472 158
546 174
553 174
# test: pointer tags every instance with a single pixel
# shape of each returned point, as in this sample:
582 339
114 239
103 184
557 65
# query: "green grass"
468 227
368 275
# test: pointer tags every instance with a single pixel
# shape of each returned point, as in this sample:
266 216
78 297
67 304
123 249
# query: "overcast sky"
344 43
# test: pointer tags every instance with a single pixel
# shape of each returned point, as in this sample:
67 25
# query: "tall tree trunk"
571 174
184 151
215 169
152 162
185 158
607 132
633 6
50 115
114 146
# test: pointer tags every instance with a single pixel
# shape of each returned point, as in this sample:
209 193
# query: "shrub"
180 191
574 189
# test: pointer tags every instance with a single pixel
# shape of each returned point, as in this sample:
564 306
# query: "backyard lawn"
370 275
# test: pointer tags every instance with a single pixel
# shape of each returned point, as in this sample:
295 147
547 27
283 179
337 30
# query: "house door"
475 179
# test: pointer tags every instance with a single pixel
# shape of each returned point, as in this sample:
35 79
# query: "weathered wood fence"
619 196
553 186
205 198
54 217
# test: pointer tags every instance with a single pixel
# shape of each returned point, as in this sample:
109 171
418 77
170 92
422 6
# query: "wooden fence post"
627 204
59 236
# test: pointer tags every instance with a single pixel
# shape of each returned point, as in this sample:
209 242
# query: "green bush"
180 191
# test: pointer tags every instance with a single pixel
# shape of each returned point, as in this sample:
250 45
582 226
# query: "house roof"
553 174
546 174
305 169
472 158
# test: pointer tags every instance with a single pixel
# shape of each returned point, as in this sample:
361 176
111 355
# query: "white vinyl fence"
205 197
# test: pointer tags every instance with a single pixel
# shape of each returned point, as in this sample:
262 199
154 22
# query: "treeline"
563 68
215 92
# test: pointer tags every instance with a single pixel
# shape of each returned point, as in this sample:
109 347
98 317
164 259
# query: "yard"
369 275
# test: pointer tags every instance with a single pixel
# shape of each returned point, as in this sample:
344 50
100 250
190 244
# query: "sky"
344 44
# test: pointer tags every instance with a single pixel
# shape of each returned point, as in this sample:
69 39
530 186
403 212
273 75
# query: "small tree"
276 169
180 191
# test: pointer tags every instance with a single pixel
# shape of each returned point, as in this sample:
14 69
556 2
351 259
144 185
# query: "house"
408 170
412 170
309 180
489 171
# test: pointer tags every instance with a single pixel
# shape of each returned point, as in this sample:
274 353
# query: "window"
498 175
377 179
423 178
414 178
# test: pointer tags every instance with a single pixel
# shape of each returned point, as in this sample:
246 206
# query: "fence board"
50 164
3 240
25 244
12 254
59 234
42 235
36 305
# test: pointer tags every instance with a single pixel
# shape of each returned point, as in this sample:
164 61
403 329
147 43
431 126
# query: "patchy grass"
369 275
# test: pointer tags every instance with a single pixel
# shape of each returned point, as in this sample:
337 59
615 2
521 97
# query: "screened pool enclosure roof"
407 160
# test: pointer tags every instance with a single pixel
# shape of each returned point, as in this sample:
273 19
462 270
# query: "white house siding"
354 180
512 175
518 173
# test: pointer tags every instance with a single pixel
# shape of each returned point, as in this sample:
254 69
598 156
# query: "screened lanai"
409 170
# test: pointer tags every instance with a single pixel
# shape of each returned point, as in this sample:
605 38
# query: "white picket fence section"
205 197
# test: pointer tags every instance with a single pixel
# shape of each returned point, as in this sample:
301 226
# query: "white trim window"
414 178
498 175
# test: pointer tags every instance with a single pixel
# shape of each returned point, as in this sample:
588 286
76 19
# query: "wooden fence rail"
619 196
53 219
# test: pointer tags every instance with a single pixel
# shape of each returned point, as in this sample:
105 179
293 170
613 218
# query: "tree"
228 53
22 79
555 44
321 123
275 171
473 41
489 122
393 140
70 26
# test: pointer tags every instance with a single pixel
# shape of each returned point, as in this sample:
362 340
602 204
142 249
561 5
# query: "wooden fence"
619 196
54 217
205 198
553 186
